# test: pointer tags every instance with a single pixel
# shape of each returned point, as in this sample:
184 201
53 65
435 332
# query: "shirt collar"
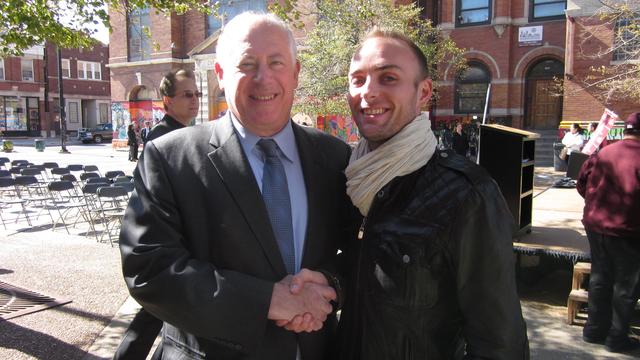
285 139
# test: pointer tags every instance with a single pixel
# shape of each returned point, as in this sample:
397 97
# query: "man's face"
259 79
185 104
386 91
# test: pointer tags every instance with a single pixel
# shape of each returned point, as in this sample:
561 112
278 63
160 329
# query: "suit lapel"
233 167
312 171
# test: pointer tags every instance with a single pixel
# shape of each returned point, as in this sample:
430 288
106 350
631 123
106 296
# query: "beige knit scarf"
404 153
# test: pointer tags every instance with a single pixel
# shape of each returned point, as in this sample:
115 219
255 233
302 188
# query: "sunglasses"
190 94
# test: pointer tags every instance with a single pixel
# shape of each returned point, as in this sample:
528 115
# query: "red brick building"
515 46
26 81
590 39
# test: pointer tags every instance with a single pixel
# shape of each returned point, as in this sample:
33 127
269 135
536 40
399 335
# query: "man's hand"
301 302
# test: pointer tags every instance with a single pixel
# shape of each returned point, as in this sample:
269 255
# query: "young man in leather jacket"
433 272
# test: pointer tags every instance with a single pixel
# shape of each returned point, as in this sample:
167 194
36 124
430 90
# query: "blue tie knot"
269 147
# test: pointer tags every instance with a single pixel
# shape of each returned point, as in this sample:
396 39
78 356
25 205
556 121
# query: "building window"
104 113
66 68
547 9
1 69
474 12
72 113
89 70
229 9
471 89
138 38
27 70
626 41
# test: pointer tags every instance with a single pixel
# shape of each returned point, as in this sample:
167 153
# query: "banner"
606 123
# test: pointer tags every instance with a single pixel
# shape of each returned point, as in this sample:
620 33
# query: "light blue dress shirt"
293 169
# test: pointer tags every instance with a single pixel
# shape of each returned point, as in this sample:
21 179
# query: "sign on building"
530 36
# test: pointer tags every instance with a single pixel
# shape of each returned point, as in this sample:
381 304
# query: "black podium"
508 154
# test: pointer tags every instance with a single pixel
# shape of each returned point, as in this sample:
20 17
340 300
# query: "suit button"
444 155
380 194
406 258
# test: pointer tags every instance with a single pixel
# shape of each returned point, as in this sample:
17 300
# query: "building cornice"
149 62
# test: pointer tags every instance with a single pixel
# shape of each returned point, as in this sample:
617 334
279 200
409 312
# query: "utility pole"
63 115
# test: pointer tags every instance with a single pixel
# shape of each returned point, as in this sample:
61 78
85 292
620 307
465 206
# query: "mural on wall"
124 113
339 126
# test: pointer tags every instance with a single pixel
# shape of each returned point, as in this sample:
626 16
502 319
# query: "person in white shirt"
573 140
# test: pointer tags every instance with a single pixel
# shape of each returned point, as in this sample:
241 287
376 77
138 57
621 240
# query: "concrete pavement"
76 267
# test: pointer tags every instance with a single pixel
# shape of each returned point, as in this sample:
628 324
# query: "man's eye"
357 81
388 78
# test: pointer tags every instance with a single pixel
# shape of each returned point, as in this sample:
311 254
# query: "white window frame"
89 67
76 118
66 68
2 75
22 63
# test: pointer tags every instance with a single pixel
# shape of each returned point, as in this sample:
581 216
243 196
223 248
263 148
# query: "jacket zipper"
361 230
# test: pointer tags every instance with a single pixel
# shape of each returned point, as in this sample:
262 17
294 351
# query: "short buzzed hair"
423 63
168 82
242 21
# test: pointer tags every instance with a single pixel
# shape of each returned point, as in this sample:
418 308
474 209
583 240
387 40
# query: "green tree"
70 23
338 28
620 79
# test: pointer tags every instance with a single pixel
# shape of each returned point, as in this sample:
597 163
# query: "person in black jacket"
180 97
432 269
132 141
460 142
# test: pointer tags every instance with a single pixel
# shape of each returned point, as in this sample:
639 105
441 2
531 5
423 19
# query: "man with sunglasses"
181 100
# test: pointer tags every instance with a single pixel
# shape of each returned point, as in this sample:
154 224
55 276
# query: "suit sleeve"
493 324
226 307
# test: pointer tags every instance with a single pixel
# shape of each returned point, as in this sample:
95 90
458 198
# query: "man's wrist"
334 282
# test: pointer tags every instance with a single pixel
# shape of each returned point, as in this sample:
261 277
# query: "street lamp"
63 116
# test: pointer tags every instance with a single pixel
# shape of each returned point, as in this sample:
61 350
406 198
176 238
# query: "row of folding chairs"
95 200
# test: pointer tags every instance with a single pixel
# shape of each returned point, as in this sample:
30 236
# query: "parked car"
99 134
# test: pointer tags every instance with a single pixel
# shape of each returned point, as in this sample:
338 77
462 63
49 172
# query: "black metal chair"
64 199
59 171
11 197
92 168
113 202
88 175
114 174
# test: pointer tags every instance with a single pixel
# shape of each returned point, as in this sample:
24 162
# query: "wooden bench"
578 295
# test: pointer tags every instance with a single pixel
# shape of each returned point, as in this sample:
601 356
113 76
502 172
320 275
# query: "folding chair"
16 170
4 161
32 192
126 185
88 175
98 180
92 168
48 166
114 174
5 173
31 171
64 199
59 171
121 179
75 167
19 162
11 197
113 202
90 192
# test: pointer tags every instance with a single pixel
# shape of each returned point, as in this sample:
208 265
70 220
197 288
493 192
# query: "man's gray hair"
237 25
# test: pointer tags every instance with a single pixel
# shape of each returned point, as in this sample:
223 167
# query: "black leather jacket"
434 275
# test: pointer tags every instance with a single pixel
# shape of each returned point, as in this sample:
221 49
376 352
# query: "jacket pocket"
404 275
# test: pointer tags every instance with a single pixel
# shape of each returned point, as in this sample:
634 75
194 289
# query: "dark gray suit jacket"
197 247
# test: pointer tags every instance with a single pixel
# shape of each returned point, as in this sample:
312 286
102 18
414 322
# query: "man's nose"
370 90
262 73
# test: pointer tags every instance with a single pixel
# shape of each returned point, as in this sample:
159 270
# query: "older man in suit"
224 213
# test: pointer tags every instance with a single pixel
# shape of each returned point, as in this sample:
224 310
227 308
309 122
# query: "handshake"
301 302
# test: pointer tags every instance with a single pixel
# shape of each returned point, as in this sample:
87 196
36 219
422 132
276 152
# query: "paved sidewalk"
78 268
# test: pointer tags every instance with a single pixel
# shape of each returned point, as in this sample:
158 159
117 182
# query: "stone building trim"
546 51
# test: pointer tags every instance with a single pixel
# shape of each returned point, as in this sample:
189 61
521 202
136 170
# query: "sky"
102 33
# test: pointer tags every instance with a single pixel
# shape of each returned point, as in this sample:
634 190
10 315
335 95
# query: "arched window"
471 89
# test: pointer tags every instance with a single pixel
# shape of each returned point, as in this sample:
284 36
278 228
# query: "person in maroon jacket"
609 181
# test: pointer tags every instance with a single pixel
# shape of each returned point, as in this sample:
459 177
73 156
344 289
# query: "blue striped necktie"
275 193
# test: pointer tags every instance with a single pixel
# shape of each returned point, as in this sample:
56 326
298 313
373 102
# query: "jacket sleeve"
493 324
177 286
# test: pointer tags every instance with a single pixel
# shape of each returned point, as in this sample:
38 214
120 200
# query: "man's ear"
425 89
166 101
217 68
